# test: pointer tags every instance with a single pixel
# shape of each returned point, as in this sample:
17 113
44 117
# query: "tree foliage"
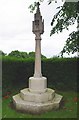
64 18
20 54
2 53
72 44
67 15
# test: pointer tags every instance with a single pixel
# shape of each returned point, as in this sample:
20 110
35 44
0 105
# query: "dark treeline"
19 54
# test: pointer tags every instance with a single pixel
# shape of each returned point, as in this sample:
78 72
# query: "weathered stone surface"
34 107
37 97
38 85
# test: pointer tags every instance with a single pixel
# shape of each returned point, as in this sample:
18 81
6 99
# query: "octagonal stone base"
36 103
26 95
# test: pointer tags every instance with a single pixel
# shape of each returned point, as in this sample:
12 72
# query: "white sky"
16 28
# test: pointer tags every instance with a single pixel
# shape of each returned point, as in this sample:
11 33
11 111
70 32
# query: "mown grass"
68 110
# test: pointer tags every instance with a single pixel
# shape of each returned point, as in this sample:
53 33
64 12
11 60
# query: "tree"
2 53
67 15
18 54
32 55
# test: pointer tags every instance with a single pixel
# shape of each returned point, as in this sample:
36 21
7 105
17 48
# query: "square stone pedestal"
37 102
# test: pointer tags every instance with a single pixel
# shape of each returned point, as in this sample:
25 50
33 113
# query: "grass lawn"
68 110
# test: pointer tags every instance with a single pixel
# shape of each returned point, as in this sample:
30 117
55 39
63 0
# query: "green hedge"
60 72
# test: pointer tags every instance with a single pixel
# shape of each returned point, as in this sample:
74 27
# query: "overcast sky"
16 28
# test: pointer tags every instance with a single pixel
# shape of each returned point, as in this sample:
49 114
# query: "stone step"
26 95
34 107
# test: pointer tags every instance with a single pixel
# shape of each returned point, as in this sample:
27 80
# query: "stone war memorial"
37 98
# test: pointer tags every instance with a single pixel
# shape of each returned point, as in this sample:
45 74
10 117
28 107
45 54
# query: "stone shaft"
37 71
